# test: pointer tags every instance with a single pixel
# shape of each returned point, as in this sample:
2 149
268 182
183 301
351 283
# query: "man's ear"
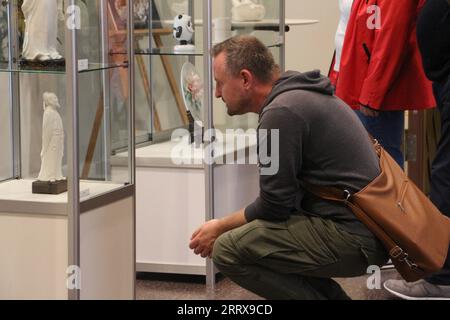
247 78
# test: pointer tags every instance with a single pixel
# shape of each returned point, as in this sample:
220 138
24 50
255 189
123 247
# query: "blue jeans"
388 129
440 170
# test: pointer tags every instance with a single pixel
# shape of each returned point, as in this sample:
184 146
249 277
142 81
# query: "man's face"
231 89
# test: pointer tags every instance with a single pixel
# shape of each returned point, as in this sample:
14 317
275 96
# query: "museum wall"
311 47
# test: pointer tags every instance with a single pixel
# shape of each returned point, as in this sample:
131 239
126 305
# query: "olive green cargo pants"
295 259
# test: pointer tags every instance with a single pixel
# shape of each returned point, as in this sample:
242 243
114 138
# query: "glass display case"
160 102
175 95
66 82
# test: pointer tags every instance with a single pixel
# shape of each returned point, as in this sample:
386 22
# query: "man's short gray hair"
247 52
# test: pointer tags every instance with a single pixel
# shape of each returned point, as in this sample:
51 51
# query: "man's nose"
218 93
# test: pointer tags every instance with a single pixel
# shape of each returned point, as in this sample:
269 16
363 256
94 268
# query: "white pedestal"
34 245
170 204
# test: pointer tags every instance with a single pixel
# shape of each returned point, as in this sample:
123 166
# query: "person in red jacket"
381 73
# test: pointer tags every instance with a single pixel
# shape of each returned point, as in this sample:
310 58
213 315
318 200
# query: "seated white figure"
52 141
248 10
41 29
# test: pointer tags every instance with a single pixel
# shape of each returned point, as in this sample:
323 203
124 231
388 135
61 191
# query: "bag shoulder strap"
335 194
327 193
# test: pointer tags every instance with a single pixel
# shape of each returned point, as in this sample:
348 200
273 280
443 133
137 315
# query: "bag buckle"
347 196
396 252
411 264
400 255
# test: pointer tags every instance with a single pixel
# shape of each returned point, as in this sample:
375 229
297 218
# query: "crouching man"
289 244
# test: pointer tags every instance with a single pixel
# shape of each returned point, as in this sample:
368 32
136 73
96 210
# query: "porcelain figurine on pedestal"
41 29
248 10
52 141
183 32
51 180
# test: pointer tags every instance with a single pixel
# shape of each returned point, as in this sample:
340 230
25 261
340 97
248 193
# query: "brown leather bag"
415 233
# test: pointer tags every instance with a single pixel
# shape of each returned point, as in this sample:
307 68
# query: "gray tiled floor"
157 288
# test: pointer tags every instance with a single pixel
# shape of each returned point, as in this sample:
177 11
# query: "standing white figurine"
248 10
52 141
41 29
183 32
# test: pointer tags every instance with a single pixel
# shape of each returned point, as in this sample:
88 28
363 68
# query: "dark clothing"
322 142
433 31
388 128
295 259
440 171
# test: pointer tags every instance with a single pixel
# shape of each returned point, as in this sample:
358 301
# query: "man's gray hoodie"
322 142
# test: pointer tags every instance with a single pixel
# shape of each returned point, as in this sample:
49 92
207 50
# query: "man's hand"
202 241
368 112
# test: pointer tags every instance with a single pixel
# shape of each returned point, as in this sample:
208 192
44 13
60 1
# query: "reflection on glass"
103 112
6 139
3 35
159 99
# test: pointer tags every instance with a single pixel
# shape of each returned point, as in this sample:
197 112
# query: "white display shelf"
16 196
180 154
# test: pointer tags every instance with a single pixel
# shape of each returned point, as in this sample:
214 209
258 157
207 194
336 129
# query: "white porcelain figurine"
183 32
52 141
41 29
248 10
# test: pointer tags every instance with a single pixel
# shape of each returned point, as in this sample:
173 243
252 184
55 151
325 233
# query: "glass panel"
143 97
42 51
41 29
3 34
168 56
262 21
104 111
32 89
160 102
6 139
103 94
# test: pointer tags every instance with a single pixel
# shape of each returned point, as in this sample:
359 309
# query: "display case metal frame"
209 113
207 38
75 206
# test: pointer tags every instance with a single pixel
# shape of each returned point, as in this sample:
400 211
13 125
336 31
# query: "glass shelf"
168 51
91 68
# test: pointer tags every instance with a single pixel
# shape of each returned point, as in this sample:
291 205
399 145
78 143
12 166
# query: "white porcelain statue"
248 10
41 29
52 141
